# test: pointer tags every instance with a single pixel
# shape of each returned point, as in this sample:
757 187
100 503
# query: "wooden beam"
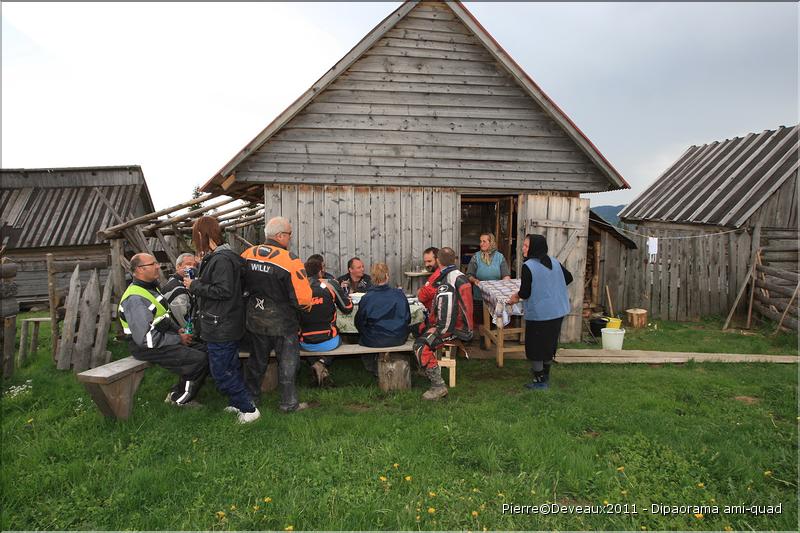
113 231
228 182
196 213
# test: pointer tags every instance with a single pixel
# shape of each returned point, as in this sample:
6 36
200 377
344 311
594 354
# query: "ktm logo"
317 301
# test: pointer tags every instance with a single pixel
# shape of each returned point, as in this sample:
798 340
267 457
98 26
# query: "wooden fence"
694 274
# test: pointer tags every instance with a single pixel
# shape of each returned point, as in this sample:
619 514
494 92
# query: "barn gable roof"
436 56
721 183
51 207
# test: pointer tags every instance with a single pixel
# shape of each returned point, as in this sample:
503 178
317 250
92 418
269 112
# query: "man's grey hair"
181 258
277 225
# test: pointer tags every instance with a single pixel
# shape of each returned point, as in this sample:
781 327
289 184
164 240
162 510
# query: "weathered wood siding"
689 279
378 224
426 105
564 222
780 209
32 272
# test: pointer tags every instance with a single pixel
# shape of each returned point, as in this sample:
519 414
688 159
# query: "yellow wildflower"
644 528
382 478
30 421
605 502
417 518
728 528
396 465
620 469
233 507
701 485
623 492
483 506
408 478
475 489
768 473
474 514
256 507
267 499
221 515
432 494
194 440
289 528
699 516
431 510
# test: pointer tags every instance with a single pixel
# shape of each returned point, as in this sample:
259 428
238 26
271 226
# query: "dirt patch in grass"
749 400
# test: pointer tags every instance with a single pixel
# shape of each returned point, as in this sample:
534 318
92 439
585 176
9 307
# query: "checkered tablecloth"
346 323
495 297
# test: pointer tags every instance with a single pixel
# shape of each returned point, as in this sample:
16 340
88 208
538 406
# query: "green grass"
635 434
705 336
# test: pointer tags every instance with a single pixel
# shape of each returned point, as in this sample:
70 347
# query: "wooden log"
89 306
769 313
637 318
774 288
610 305
69 266
195 213
9 340
779 304
785 311
114 231
34 346
52 300
8 270
101 338
394 372
170 251
787 275
8 289
117 272
70 319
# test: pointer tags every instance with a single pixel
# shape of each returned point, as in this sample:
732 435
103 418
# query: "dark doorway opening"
494 214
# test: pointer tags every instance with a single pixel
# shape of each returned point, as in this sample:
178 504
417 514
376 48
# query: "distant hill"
610 213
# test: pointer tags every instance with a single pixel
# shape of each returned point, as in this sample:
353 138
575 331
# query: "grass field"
693 434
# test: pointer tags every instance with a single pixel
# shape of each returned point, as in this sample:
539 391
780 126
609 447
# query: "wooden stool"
446 356
30 327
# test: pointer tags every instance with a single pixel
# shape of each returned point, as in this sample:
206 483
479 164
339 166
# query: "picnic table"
417 274
346 323
498 312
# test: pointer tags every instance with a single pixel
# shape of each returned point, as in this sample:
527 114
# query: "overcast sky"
180 88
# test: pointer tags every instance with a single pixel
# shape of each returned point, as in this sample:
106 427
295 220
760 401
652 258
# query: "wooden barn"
605 246
712 210
427 128
60 211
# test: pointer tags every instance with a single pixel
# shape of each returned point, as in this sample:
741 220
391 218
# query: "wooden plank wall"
690 278
426 105
386 224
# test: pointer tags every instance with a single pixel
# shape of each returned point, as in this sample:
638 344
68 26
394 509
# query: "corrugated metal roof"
62 207
722 183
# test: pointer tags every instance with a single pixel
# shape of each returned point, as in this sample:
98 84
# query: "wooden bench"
112 386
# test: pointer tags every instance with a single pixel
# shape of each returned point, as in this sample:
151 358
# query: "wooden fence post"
52 298
101 339
89 304
9 339
73 301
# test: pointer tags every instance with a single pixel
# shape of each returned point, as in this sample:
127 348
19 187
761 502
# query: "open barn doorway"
494 214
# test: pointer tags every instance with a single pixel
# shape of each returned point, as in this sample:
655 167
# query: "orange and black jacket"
319 324
277 290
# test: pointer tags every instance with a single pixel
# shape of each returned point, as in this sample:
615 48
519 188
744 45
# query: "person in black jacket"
318 331
220 314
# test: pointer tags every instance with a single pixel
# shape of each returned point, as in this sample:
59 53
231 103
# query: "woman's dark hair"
204 230
537 249
313 266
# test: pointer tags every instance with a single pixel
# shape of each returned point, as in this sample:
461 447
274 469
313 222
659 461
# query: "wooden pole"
191 214
101 339
610 305
88 309
113 231
70 319
9 339
749 275
785 311
52 297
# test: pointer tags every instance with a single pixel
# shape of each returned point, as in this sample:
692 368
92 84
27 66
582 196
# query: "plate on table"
356 297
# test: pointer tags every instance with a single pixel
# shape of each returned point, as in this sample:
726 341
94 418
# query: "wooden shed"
60 211
712 210
426 133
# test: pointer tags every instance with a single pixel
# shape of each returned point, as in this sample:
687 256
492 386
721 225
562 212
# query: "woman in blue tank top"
487 264
544 288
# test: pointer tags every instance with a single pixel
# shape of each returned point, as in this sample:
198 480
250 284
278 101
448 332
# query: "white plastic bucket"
612 338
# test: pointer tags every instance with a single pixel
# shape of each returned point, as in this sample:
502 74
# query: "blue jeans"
223 359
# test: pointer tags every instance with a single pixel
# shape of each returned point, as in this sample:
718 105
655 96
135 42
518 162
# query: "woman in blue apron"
543 286
487 264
